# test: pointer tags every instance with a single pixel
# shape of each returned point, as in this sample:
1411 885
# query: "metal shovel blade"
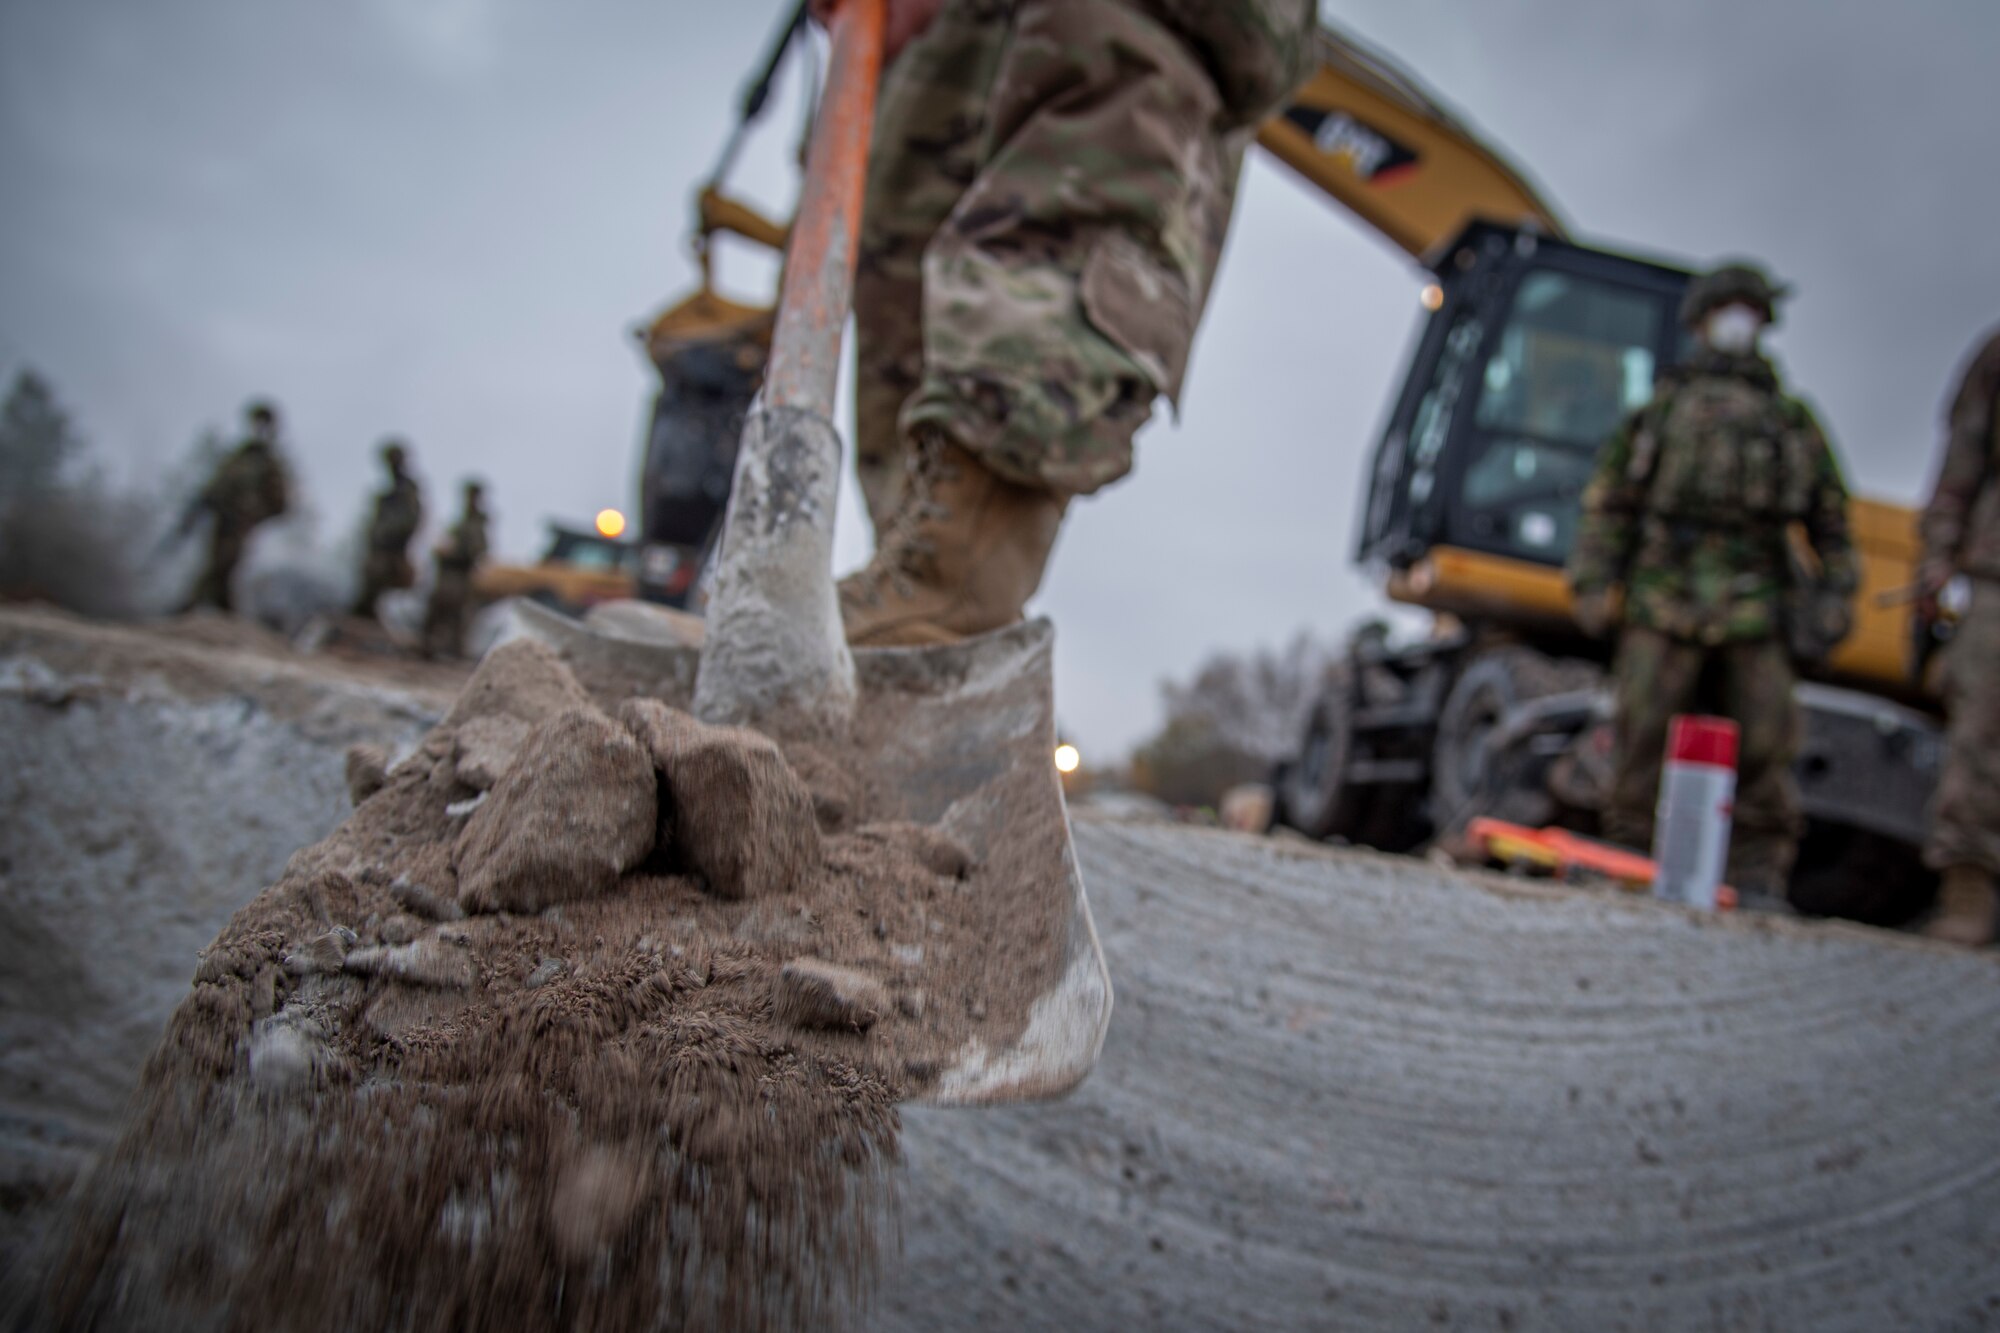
963 738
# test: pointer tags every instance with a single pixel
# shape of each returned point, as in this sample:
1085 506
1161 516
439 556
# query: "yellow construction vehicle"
577 570
1534 345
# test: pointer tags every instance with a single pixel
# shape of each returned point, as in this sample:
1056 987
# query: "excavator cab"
1536 349
709 352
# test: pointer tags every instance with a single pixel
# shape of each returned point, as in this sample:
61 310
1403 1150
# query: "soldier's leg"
372 585
1061 295
930 127
202 594
1764 836
1653 678
453 633
435 615
1965 811
1964 840
450 599
1059 299
217 585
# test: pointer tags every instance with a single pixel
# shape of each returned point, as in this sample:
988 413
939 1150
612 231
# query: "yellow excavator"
1534 346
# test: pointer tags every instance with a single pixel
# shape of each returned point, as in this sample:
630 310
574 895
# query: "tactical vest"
248 489
1722 452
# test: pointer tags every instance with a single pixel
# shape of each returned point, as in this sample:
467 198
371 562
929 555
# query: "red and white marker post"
1697 795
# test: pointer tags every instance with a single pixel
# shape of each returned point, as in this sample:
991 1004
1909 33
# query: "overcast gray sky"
439 217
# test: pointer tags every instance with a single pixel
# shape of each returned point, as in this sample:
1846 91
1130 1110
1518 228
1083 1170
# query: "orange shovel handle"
819 262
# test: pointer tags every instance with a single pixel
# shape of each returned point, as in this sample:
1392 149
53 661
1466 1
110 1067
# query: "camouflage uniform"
1961 534
1688 510
451 590
1048 193
249 488
399 511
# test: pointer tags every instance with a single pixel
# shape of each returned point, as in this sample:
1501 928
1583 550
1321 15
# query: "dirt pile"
614 1042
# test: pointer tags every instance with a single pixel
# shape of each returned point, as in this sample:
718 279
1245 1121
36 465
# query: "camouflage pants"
1965 811
1047 200
445 613
380 572
1749 681
216 586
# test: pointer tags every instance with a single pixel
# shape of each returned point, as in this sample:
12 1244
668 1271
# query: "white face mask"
1733 328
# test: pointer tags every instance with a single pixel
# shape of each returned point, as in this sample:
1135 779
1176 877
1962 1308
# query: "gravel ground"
1340 1089
1344 1090
151 782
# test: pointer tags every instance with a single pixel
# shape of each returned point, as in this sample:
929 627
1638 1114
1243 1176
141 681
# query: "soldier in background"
1960 529
1688 512
399 511
249 488
451 592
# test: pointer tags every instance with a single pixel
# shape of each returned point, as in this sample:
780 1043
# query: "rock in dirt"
521 679
424 902
730 806
812 993
483 749
421 963
367 771
323 953
281 1057
595 1198
576 812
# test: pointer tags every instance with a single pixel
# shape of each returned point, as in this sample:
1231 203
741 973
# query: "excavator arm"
1369 134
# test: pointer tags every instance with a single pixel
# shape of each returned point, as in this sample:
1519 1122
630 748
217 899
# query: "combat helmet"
1738 280
394 452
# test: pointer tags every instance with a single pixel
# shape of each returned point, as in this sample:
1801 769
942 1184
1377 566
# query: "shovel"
961 736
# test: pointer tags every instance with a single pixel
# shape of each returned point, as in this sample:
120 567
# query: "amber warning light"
610 523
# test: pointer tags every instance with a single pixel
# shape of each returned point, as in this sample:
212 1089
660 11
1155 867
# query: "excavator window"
1575 358
1538 350
1575 355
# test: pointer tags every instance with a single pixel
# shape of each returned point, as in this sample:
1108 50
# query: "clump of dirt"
577 810
648 1082
736 814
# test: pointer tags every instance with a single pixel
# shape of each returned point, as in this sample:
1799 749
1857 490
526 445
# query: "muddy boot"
1965 907
962 556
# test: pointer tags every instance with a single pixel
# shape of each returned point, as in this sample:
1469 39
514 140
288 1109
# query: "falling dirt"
579 1051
